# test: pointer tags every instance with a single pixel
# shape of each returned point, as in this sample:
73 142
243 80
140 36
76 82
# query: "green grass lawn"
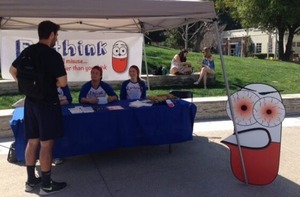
283 76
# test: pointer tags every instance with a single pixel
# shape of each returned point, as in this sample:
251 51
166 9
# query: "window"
270 48
258 48
298 44
293 44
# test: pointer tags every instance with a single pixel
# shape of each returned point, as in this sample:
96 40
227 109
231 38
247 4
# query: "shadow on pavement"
196 168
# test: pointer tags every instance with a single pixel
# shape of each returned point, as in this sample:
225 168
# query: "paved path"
196 168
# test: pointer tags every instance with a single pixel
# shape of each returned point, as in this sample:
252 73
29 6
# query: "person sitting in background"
96 91
208 66
64 95
135 87
179 64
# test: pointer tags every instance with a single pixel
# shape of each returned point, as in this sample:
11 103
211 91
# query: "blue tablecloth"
105 130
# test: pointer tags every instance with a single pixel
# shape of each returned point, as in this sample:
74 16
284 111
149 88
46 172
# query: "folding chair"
182 94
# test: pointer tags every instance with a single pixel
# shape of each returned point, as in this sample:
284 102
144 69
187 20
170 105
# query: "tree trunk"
186 40
288 46
280 43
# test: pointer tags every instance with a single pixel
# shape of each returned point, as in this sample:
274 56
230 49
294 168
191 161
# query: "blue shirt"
209 62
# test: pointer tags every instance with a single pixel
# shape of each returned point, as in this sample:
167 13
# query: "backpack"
158 70
30 74
11 156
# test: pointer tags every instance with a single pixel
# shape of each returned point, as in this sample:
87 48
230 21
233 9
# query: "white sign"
114 52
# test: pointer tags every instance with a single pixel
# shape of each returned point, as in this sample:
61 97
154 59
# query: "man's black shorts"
43 121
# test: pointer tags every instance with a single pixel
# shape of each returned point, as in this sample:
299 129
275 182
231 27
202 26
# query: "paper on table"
139 104
81 109
116 107
76 110
87 109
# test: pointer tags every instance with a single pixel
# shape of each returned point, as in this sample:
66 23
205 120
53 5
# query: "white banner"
114 52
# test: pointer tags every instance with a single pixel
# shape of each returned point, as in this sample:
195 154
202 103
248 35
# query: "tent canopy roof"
105 15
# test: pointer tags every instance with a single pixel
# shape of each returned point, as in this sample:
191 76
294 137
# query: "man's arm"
61 81
13 72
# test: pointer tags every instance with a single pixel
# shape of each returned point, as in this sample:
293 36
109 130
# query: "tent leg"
229 99
146 64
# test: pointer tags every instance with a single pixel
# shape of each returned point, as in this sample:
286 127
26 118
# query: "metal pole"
146 65
229 100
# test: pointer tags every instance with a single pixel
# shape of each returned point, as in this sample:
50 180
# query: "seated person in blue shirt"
64 95
65 98
133 88
96 91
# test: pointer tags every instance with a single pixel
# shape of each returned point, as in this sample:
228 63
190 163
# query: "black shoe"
30 186
54 187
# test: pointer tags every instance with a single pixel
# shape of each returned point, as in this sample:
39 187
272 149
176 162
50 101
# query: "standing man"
43 117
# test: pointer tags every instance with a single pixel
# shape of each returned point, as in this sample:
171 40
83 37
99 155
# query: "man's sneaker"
30 186
54 187
196 83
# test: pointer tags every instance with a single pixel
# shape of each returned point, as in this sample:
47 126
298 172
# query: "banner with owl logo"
257 112
114 52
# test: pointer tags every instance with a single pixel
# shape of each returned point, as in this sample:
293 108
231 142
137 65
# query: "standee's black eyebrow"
261 93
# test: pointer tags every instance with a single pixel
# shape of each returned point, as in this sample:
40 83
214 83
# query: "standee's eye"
269 112
116 51
123 50
242 105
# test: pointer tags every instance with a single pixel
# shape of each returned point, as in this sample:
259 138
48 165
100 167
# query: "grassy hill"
240 70
283 76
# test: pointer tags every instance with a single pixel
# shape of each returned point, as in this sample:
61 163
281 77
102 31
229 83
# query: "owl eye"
123 50
116 51
242 106
269 112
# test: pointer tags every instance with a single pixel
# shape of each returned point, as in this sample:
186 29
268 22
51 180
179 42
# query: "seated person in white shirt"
97 91
64 95
135 87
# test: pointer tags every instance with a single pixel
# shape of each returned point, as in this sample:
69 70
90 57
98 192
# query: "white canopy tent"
109 15
139 16
130 16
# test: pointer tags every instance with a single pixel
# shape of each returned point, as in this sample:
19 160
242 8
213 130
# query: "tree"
156 37
269 15
190 31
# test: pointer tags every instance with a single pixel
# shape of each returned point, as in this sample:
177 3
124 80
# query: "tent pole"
229 99
146 64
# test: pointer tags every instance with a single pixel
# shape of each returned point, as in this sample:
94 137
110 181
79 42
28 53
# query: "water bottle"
164 71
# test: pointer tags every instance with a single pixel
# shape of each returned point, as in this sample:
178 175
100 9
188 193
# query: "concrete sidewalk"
200 167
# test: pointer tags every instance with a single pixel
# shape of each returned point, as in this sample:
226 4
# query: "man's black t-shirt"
53 66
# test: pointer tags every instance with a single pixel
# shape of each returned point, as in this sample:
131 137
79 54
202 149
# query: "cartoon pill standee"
259 112
119 56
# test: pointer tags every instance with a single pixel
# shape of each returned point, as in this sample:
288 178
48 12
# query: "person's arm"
111 95
123 93
13 72
61 81
67 98
143 87
177 59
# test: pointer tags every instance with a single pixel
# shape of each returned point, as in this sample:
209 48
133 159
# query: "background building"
248 42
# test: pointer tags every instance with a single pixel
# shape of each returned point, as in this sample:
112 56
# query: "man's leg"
30 159
46 161
48 185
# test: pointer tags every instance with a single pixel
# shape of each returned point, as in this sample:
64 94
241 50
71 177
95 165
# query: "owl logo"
119 56
258 114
